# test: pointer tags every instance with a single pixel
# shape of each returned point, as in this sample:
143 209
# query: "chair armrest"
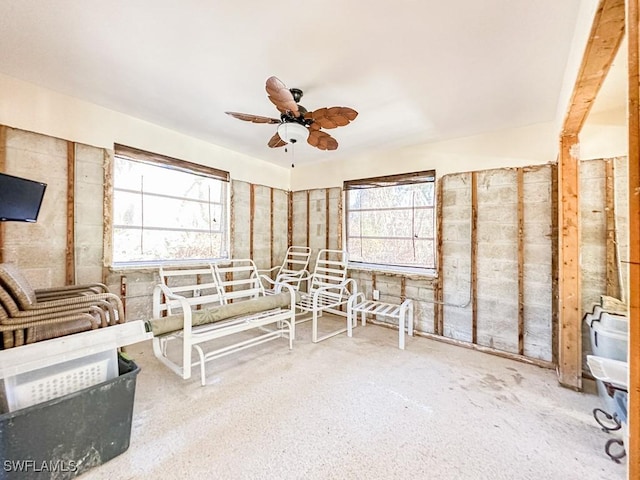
43 294
263 271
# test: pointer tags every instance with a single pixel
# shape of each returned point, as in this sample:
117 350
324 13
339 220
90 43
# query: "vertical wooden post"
438 308
123 293
3 168
308 216
340 220
252 214
271 261
570 332
327 217
520 194
70 264
474 257
107 211
554 263
289 219
612 273
633 34
232 221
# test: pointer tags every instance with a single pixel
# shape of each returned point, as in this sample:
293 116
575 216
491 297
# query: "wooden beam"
289 219
554 262
70 264
482 348
271 260
438 293
633 448
107 211
340 246
308 215
232 221
606 34
612 274
327 217
252 215
520 195
3 168
474 257
570 331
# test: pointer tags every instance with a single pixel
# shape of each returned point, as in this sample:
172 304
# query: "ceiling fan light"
293 132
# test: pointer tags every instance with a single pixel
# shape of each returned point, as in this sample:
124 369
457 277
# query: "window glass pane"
136 245
163 214
392 225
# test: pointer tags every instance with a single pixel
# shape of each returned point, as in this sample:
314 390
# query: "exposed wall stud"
232 221
123 293
633 109
3 168
70 264
252 214
271 235
521 326
107 208
289 219
474 257
340 221
554 263
612 273
308 217
327 217
438 308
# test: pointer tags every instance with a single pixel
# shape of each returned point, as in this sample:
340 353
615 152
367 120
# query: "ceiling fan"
296 123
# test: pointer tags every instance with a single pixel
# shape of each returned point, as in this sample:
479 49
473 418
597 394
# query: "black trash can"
69 435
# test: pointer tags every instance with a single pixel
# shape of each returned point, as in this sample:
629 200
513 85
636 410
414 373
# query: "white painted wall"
533 145
29 107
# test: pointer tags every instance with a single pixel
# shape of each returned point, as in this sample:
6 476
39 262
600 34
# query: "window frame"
424 176
170 163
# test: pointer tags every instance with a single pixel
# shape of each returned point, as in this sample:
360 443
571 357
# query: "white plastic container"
42 371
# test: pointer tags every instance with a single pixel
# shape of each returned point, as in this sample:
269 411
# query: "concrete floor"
360 408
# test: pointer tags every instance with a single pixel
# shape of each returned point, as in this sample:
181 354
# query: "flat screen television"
20 198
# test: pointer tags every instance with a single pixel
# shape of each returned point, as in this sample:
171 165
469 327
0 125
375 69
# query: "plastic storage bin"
44 384
81 397
66 436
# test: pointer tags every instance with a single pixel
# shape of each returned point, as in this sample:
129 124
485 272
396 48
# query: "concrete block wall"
593 237
497 260
620 184
455 270
311 218
538 258
89 213
39 248
497 265
317 222
593 253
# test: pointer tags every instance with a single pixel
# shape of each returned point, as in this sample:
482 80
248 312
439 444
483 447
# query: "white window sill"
413 272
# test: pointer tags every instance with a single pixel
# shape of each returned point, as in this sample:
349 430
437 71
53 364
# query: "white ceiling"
416 71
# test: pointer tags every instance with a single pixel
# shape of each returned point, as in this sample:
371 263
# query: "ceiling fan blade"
281 97
247 117
322 140
332 117
276 141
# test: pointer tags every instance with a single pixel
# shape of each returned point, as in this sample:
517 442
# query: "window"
167 210
390 221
